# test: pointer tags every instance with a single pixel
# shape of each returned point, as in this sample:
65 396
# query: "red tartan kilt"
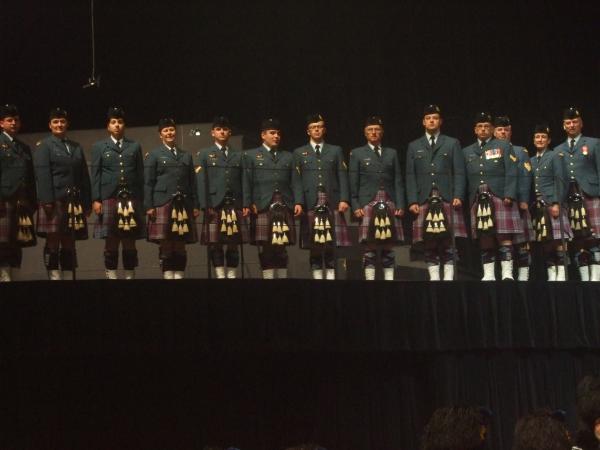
528 235
106 223
261 225
556 234
458 221
341 235
159 226
363 227
592 207
211 232
506 218
57 223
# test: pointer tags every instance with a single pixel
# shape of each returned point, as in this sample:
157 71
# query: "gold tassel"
223 215
233 215
442 227
174 227
322 239
329 238
179 217
119 209
430 230
229 232
121 223
223 227
582 212
126 227
173 214
132 222
327 224
428 216
485 226
185 228
490 222
20 236
285 227
274 240
388 234
28 222
284 239
583 223
377 233
126 212
376 221
387 221
479 211
577 214
234 228
317 238
130 207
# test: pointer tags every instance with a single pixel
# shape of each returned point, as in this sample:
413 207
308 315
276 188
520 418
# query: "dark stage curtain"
154 364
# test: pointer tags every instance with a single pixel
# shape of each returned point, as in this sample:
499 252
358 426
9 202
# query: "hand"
507 202
523 206
245 212
97 207
343 207
254 209
414 208
210 211
48 209
359 213
555 210
151 213
399 212
457 202
195 212
297 210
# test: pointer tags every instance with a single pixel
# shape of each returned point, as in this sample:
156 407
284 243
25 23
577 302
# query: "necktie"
318 150
174 151
432 138
273 152
64 141
482 144
224 150
118 144
377 149
572 146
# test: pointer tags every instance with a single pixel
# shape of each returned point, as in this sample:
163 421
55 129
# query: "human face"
58 127
374 134
271 138
597 429
221 135
116 127
504 133
483 130
541 141
432 123
573 127
316 131
11 125
168 136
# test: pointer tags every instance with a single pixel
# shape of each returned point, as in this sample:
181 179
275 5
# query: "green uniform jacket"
16 169
582 164
523 174
549 176
216 175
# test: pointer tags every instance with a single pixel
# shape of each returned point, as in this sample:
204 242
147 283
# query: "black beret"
165 122
115 112
58 113
571 112
8 111
221 122
270 124
502 121
374 120
314 118
432 109
542 128
482 117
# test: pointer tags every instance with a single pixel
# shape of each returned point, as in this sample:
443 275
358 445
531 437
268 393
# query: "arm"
524 178
191 176
96 172
411 179
149 181
510 173
354 180
139 172
296 178
398 184
247 179
43 175
460 178
86 188
201 181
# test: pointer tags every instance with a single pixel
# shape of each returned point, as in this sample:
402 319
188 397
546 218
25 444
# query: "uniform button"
571 164
480 165
432 164
120 156
481 181
121 163
432 174
480 173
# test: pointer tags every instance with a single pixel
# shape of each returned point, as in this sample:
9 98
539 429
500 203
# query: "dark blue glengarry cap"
115 112
8 111
270 124
482 117
572 112
432 109
166 122
221 122
541 128
58 113
314 118
374 120
502 121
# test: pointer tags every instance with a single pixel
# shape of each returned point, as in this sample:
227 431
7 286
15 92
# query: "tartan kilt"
57 223
341 235
528 235
592 207
458 221
506 218
363 227
106 223
211 233
9 226
158 227
556 234
261 225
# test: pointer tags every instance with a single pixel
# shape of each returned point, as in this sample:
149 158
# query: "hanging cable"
92 80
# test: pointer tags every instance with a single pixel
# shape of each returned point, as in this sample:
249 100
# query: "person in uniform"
117 194
435 191
273 190
377 192
551 224
324 177
521 241
64 196
219 180
542 430
456 428
492 181
170 200
17 193
581 157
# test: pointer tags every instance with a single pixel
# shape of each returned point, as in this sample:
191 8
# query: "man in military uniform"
219 180
324 179
435 189
170 200
117 194
273 190
581 157
17 193
377 192
549 212
503 130
492 180
64 195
